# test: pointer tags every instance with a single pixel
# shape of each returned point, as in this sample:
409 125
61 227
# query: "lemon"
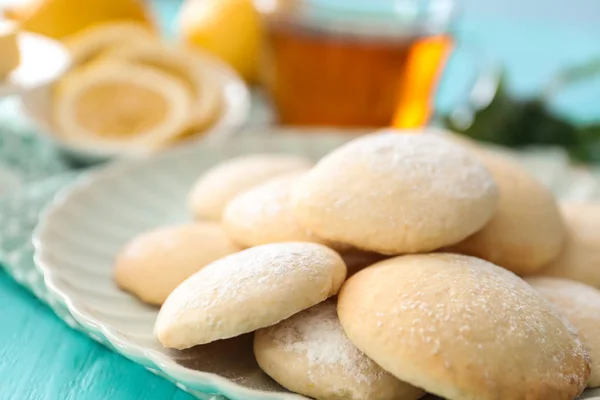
183 65
62 18
95 39
120 107
230 29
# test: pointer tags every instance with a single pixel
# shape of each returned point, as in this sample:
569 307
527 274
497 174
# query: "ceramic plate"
81 231
43 60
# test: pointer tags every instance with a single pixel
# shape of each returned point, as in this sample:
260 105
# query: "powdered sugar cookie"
264 215
462 328
526 231
580 256
248 290
152 264
309 353
396 193
219 185
580 305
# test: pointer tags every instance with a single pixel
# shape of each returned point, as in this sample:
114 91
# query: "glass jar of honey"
354 63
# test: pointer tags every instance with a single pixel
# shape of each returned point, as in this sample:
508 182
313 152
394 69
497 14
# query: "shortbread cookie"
220 184
527 230
580 256
252 289
396 193
154 263
264 215
580 305
462 328
309 354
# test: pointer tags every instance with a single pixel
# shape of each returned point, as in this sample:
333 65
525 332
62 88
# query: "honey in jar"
327 63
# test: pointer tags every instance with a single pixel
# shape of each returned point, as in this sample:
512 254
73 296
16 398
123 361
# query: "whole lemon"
229 29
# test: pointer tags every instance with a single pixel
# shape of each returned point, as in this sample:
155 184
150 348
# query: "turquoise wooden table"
41 358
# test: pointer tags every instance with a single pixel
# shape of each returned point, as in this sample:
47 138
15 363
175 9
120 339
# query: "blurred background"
532 42
535 41
515 73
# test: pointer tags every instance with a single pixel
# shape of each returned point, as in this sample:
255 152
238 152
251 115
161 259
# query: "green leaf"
587 148
571 76
487 122
518 123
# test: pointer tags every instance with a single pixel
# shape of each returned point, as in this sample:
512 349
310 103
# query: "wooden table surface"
41 358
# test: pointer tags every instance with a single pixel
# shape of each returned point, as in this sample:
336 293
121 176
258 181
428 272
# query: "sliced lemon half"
90 42
120 107
183 64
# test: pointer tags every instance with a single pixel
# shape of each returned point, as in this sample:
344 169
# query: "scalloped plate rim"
125 346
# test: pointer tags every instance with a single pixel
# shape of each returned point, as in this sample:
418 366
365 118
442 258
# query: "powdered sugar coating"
579 304
215 188
316 333
395 193
331 364
248 290
154 263
264 215
461 327
425 155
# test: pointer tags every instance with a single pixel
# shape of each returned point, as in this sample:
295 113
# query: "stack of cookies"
400 264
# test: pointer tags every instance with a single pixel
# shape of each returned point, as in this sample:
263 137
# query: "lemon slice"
88 43
119 107
9 48
183 64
